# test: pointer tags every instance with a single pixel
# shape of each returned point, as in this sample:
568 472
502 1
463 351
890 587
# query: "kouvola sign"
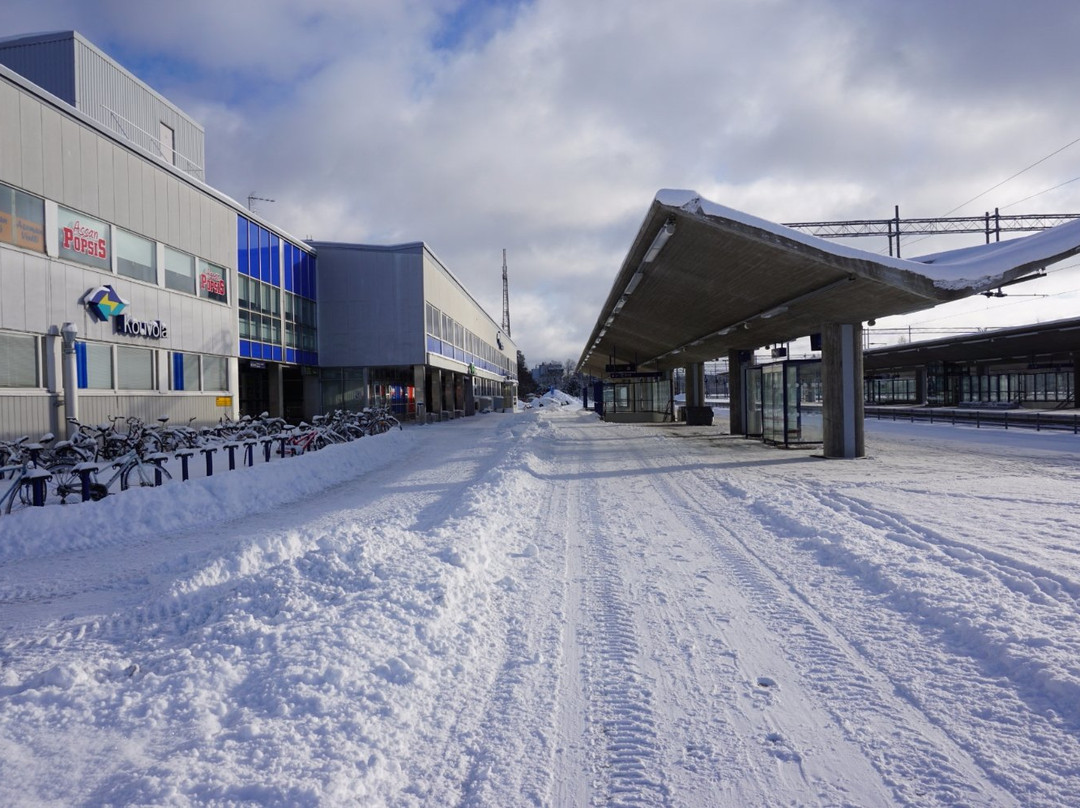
105 304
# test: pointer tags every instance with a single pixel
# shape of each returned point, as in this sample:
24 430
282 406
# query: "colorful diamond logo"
104 302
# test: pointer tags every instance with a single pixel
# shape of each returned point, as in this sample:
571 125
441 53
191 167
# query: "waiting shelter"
703 281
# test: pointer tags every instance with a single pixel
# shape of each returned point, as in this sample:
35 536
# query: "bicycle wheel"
143 475
65 484
11 498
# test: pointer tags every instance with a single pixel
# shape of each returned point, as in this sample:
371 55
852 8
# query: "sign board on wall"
84 239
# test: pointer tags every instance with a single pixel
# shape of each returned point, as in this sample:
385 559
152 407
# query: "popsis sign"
105 303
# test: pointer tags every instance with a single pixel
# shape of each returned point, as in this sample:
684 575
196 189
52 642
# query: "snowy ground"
543 609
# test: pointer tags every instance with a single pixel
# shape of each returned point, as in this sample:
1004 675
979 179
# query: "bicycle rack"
209 453
36 480
158 461
85 471
231 449
184 455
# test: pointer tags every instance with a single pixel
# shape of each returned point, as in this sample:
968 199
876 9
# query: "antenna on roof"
506 298
252 199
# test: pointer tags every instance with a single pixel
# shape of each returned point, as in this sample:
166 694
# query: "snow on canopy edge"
977 267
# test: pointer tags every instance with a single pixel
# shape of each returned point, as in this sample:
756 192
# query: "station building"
129 286
395 325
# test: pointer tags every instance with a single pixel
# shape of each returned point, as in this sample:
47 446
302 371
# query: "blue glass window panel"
253 250
314 276
288 279
178 371
243 262
80 364
277 353
264 255
275 260
433 344
245 348
305 276
290 355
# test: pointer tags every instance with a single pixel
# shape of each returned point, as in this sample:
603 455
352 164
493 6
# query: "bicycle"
22 481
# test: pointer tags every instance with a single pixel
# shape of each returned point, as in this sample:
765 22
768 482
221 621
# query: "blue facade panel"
243 261
264 255
275 260
178 371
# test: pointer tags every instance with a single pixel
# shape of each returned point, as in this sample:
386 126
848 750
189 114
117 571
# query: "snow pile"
557 398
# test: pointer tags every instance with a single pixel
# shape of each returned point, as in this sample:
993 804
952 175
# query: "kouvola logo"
104 302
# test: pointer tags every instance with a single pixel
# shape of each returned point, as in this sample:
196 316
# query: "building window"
18 361
215 373
168 144
134 368
179 271
83 239
94 362
22 219
136 257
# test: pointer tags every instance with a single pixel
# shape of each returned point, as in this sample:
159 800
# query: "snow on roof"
976 267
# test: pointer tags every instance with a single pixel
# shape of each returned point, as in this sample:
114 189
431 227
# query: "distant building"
548 374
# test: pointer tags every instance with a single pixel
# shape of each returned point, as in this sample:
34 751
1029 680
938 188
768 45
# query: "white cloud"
546 127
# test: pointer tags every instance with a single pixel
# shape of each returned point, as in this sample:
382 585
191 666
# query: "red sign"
212 283
85 240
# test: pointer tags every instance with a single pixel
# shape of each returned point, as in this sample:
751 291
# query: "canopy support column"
736 392
842 390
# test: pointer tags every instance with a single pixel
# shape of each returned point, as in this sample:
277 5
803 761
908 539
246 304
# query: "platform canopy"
701 280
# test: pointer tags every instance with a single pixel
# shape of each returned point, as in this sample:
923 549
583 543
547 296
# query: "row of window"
462 344
264 256
89 241
101 366
121 367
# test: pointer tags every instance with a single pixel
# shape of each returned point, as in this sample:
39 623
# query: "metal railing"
1039 420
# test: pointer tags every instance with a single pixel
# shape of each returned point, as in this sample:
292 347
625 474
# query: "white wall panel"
106 180
88 171
70 143
10 148
31 146
52 150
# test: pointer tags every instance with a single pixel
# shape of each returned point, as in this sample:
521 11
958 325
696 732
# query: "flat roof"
701 279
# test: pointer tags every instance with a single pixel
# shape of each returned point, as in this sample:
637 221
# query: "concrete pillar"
736 395
420 392
469 398
277 390
436 404
842 390
448 392
695 384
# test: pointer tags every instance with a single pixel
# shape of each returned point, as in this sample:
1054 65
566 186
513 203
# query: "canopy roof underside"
701 280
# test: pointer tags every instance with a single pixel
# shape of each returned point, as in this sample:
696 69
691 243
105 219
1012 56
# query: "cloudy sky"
546 127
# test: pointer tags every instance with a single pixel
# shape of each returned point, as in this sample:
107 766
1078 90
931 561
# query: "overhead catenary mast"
506 299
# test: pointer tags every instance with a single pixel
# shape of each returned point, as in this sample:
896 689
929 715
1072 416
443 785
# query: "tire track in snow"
917 759
626 755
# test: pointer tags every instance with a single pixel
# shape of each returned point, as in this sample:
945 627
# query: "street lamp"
70 375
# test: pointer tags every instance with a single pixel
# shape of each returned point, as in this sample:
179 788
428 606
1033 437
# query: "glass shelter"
783 402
